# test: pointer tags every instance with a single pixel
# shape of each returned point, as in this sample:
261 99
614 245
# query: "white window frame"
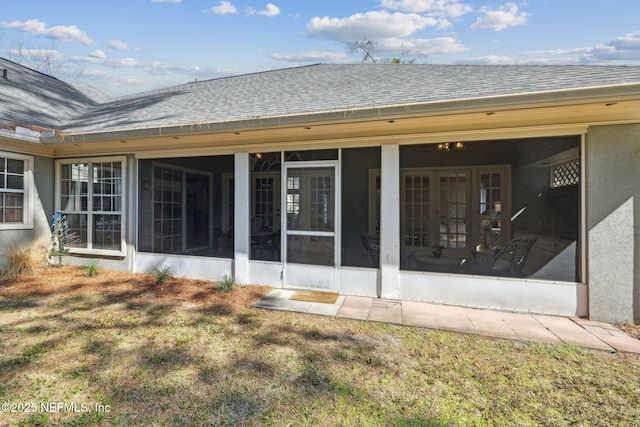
27 191
123 203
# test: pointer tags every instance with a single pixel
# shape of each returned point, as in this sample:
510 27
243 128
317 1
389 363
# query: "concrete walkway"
490 323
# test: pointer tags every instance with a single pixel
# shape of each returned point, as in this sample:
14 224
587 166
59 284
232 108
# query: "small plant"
91 269
227 283
162 274
59 235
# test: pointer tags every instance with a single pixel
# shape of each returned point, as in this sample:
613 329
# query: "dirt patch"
630 329
72 281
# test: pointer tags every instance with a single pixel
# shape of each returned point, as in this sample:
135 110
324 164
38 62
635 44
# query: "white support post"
242 218
390 221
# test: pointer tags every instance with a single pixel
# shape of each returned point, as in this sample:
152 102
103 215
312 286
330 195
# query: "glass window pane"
106 232
77 230
11 208
313 250
15 166
15 182
311 206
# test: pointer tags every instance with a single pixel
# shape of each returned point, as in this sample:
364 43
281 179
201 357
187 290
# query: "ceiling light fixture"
449 146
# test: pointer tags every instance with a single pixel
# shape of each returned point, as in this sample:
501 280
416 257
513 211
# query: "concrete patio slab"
355 307
571 333
611 335
529 329
491 323
386 311
418 314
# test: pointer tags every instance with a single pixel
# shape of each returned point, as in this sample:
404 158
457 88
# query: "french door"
310 225
435 207
181 212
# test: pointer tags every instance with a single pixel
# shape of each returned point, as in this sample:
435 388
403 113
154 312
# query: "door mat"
314 296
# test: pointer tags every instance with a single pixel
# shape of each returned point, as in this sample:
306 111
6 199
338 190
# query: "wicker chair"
372 244
507 261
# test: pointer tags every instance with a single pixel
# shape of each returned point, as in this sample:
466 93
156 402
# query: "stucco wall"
43 171
613 222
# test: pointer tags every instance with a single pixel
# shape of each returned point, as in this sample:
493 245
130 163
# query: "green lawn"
153 361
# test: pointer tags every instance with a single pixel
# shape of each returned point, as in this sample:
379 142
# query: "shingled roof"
308 90
33 99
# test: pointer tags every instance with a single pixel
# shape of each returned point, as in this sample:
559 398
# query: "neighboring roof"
30 98
302 91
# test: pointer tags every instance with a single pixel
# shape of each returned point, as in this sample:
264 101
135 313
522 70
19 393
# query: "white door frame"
319 277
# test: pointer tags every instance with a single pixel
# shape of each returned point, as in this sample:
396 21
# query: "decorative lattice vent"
565 174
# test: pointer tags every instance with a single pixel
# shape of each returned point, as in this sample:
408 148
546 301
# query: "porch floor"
484 322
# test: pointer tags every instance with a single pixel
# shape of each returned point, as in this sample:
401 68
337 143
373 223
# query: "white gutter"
605 94
21 134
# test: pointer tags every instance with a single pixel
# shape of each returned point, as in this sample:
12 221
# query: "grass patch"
92 269
183 361
227 283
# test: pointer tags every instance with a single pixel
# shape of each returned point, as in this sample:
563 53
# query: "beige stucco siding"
613 222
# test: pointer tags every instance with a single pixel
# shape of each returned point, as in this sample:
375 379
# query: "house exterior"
508 187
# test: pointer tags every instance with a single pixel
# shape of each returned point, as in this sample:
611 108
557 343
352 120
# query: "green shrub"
162 274
227 283
91 269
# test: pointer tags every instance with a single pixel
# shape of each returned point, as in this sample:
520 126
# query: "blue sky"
127 46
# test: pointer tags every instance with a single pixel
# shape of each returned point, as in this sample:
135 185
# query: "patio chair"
507 261
372 244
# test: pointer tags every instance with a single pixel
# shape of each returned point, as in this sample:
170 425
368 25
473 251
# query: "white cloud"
420 47
36 54
270 11
452 8
502 17
99 57
620 49
98 54
224 8
120 45
370 25
313 56
625 48
36 27
515 60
